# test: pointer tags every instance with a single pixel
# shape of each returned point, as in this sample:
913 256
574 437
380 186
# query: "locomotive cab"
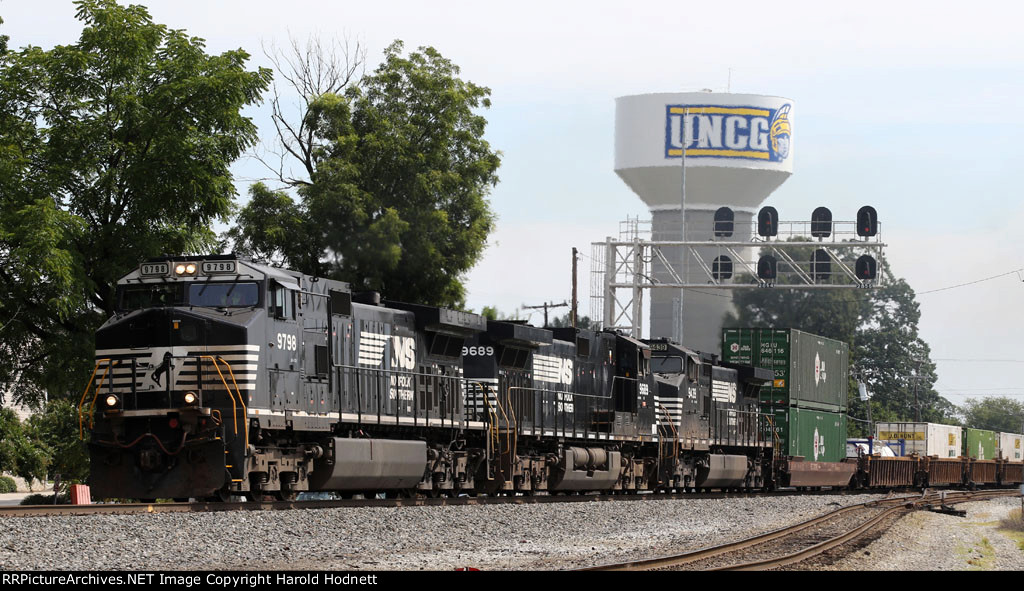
175 372
708 414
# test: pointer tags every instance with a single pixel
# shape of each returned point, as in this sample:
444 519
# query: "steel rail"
827 545
203 506
900 504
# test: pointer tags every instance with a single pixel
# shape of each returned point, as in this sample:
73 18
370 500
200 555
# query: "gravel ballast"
541 536
545 536
933 541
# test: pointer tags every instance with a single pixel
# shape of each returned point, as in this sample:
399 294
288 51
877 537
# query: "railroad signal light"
766 268
721 268
723 222
768 221
821 222
867 221
866 267
821 265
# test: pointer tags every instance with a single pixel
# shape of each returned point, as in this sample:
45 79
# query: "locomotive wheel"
221 496
286 495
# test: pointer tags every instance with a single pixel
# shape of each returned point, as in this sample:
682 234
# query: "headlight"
179 269
190 268
111 400
190 397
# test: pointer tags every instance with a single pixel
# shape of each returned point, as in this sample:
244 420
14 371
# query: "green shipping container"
980 444
816 435
810 371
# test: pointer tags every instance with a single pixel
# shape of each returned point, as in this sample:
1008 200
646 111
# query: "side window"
282 302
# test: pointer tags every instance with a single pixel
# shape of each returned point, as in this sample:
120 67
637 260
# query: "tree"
880 326
895 362
20 454
995 414
398 174
56 430
114 149
564 321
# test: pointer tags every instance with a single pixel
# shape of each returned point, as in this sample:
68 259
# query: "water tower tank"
739 148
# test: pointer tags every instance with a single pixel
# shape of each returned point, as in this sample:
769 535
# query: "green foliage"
995 413
493 313
113 150
20 455
56 430
399 173
45 499
564 321
880 325
7 485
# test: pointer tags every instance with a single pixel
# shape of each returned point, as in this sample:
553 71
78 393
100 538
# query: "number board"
155 269
659 346
215 267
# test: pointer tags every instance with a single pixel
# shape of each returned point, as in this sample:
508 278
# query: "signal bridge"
815 254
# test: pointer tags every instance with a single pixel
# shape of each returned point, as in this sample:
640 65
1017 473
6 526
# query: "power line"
980 360
982 390
971 282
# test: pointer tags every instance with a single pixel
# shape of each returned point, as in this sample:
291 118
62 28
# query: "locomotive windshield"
152 295
207 294
223 295
667 364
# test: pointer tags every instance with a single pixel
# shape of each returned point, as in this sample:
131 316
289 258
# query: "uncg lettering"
732 132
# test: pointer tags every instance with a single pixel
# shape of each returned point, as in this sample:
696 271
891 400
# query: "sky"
912 107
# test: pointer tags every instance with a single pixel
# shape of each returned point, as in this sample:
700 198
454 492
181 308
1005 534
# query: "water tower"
739 148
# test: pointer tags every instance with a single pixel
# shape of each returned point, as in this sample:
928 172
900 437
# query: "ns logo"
372 347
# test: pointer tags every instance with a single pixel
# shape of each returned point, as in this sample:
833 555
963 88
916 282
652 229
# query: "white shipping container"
924 439
1009 446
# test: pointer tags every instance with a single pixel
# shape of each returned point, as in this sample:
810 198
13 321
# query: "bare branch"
309 70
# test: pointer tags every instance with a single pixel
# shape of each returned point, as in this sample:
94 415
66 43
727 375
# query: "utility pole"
546 305
575 301
682 229
917 378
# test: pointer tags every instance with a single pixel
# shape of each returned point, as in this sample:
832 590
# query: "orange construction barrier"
80 494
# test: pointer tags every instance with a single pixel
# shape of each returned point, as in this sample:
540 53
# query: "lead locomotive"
221 377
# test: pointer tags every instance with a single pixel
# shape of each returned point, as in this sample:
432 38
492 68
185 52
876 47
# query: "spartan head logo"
781 132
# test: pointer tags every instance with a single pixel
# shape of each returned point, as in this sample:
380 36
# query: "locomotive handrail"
384 373
726 411
86 392
675 434
216 363
515 426
492 429
234 408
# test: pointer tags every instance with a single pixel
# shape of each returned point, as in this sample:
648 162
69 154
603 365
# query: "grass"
1013 526
980 558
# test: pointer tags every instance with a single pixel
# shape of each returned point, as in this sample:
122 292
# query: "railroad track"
800 542
134 508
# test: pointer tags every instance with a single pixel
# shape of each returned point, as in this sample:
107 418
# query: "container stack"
807 398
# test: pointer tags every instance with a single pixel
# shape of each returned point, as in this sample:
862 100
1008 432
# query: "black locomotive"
221 377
